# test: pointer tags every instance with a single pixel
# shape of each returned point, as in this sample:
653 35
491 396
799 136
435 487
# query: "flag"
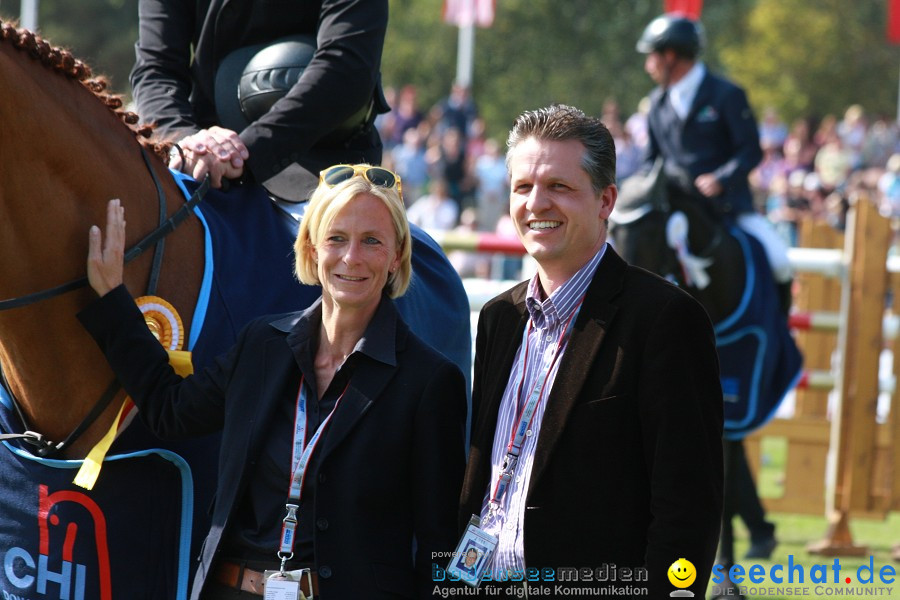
689 8
893 21
465 13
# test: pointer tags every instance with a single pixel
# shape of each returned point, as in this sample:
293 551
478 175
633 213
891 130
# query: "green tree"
578 52
803 57
99 32
537 52
816 58
419 49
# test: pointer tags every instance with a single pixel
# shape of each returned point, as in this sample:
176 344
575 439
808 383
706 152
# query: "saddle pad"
249 266
759 361
61 542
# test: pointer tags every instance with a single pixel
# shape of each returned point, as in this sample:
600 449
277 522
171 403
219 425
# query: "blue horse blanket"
134 534
129 537
759 361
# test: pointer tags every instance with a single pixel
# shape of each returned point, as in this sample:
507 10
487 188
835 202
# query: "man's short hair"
559 123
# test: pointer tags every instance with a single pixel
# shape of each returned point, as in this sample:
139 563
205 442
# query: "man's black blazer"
628 463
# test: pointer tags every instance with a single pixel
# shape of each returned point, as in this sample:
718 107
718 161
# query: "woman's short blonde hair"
325 204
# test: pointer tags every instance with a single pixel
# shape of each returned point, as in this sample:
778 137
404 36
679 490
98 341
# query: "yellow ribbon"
90 469
181 362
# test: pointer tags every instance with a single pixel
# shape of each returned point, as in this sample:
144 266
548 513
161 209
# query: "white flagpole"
28 15
465 55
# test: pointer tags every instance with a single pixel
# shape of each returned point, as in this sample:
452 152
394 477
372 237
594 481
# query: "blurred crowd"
455 178
811 169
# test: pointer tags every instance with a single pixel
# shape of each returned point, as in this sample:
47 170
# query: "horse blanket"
129 537
133 535
759 361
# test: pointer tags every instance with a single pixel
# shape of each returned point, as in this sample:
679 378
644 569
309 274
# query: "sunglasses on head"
379 176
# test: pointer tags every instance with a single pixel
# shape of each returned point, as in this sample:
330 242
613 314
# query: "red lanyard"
525 417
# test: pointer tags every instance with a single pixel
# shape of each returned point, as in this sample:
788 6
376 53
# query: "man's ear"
608 200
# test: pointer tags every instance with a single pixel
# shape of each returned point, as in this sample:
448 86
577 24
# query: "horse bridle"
45 447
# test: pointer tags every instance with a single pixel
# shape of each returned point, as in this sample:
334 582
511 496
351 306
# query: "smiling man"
597 438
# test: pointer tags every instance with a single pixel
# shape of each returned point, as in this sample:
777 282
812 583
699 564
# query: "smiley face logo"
682 573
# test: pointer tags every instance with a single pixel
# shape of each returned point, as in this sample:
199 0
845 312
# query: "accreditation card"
473 553
281 587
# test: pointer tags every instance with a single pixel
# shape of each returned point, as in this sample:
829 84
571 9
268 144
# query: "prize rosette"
163 321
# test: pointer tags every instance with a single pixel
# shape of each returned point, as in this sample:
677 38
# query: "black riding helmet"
675 32
252 79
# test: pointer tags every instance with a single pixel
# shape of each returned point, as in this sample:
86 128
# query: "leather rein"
45 447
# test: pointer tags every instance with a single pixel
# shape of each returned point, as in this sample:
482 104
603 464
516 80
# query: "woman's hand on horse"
106 258
216 151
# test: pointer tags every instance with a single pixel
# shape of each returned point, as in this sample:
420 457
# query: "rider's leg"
776 251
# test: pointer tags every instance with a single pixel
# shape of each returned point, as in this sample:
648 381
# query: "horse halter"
166 226
155 238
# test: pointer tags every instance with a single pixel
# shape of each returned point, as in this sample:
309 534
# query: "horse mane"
62 62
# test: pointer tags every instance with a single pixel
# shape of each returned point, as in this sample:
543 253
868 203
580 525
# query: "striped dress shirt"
546 341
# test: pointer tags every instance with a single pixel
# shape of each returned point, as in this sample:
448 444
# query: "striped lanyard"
301 454
522 426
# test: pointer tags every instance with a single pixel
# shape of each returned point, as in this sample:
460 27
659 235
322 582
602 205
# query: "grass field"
795 532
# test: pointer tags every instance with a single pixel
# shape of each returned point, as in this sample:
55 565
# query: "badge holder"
285 585
281 584
473 554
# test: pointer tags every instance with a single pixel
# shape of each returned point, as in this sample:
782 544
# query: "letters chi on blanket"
59 541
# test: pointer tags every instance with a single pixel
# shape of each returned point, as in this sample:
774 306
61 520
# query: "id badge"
473 554
281 587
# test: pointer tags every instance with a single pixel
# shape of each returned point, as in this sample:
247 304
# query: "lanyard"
522 426
298 469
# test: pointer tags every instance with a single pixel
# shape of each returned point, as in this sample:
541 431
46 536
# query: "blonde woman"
342 433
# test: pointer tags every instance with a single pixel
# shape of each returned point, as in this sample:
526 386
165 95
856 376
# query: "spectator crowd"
455 178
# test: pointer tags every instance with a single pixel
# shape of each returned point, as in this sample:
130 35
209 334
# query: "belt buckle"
309 580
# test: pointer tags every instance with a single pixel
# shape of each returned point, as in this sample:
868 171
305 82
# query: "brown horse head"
67 148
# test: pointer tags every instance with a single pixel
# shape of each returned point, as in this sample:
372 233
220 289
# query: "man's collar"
683 92
565 297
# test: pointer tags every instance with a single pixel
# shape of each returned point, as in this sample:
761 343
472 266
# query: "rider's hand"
708 185
200 165
106 261
216 151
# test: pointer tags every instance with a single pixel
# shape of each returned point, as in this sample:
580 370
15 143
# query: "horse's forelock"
64 63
